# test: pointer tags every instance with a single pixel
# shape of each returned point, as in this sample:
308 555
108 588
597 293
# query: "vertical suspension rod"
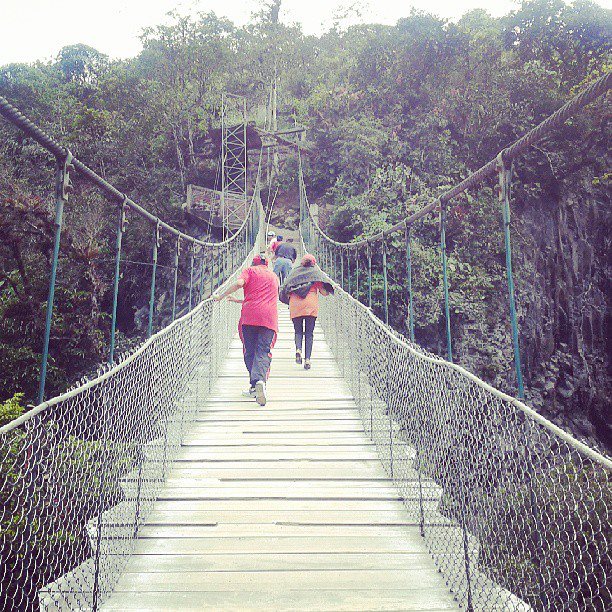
385 283
505 179
156 244
121 225
449 348
369 276
62 186
409 283
177 254
192 260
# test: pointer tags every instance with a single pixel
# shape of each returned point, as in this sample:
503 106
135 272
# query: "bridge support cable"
514 510
86 467
441 205
80 471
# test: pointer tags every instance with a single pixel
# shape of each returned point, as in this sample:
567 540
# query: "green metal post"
357 275
156 244
217 268
177 254
212 271
449 347
505 178
385 283
409 283
202 266
342 268
192 252
369 277
62 186
334 266
120 229
348 270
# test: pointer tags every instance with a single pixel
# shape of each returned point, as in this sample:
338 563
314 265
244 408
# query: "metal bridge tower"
233 161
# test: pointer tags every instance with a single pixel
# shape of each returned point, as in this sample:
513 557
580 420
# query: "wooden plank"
290 427
321 517
209 492
301 467
275 562
272 581
272 441
407 600
270 530
248 505
295 545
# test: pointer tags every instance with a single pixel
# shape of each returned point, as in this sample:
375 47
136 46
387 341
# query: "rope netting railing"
514 510
79 472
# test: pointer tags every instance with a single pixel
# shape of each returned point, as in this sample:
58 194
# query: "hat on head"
308 261
279 237
270 233
258 260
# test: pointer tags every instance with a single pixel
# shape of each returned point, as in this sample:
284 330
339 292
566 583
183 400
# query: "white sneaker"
250 392
260 392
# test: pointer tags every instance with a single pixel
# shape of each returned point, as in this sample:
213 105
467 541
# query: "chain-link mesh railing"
514 511
79 473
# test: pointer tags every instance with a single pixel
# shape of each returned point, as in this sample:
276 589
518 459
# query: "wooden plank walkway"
284 507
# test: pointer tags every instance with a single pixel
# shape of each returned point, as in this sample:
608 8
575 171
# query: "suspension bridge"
385 478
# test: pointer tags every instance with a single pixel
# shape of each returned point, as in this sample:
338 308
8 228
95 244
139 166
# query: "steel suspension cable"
558 118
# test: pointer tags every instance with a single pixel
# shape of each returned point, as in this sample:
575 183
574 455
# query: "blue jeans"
282 267
257 341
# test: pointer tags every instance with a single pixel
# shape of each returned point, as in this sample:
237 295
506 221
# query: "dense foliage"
394 114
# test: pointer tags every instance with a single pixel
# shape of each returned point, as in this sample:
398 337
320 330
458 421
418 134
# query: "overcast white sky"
37 29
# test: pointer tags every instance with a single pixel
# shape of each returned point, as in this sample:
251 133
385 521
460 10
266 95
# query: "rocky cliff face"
563 278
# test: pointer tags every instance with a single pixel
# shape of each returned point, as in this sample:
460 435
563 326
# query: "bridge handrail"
512 508
61 153
80 472
530 412
589 94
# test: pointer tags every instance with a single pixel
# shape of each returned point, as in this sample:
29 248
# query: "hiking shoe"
307 364
249 392
298 357
260 392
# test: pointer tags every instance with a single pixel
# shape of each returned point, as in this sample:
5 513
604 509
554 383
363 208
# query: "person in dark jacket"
301 291
286 250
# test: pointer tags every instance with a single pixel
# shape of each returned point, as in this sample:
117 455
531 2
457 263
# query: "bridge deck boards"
284 507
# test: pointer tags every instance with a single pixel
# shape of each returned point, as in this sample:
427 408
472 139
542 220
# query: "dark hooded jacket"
300 281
